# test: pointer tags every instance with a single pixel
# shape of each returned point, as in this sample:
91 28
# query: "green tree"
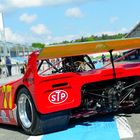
38 45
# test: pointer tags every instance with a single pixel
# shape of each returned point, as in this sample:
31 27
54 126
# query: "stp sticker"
58 96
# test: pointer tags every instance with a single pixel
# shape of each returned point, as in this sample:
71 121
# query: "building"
135 32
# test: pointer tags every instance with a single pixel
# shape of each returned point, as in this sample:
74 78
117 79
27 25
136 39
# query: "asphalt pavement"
134 121
8 132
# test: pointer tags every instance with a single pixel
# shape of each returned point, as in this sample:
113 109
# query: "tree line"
83 39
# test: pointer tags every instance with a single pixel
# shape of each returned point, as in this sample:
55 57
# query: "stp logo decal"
58 96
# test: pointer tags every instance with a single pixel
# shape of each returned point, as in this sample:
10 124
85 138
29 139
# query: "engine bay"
109 96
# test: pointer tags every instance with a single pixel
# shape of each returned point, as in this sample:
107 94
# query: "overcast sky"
50 21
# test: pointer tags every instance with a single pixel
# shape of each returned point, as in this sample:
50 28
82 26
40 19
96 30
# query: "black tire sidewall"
31 129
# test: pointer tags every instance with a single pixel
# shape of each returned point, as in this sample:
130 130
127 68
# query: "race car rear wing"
75 49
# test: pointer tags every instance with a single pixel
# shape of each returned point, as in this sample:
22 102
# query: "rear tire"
34 123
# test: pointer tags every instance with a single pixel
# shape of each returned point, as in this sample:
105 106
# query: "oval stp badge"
58 96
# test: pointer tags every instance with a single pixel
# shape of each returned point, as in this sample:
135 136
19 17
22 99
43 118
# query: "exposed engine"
101 98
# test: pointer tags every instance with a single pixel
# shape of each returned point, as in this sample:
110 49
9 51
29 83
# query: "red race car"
61 83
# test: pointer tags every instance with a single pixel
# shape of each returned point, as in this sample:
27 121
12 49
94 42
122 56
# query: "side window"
49 66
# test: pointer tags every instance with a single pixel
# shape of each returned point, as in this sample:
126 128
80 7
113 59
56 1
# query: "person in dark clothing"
8 65
103 59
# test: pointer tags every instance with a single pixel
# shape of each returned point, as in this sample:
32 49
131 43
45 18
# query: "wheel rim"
25 110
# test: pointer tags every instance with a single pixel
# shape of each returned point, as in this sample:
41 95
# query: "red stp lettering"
58 96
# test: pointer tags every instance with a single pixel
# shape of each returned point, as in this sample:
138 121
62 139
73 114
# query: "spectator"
103 58
8 65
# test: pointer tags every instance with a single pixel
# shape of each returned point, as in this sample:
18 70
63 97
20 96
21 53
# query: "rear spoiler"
75 49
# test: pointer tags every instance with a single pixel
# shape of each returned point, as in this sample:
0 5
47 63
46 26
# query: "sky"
49 21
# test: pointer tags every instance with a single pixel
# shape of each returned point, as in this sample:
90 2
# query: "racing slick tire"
34 123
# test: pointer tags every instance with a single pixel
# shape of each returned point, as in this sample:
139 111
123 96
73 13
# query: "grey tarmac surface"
15 133
8 132
134 121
